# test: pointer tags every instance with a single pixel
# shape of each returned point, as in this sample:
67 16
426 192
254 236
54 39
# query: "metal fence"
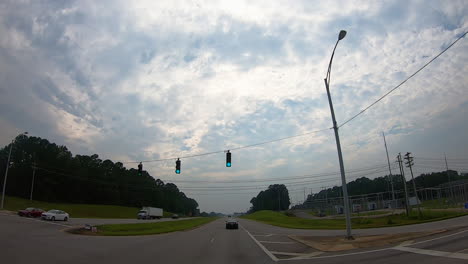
447 195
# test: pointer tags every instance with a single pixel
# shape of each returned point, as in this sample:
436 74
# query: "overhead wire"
312 132
279 179
231 149
398 86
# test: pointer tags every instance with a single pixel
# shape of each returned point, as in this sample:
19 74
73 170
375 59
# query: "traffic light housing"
228 159
177 166
140 168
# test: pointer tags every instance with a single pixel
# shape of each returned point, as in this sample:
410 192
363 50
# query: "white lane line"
276 242
275 259
289 253
269 235
437 238
339 255
309 255
406 243
212 239
433 252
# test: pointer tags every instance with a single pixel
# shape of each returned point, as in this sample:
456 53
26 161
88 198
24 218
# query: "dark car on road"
31 212
175 216
232 224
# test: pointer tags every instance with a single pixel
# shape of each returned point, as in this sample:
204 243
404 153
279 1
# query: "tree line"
365 185
276 197
62 177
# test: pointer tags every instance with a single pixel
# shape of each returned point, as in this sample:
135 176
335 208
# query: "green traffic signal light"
228 159
177 170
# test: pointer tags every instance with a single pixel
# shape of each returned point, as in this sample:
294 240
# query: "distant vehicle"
31 212
55 215
232 223
175 216
150 213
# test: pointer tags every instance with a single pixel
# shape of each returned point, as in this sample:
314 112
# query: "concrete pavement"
24 240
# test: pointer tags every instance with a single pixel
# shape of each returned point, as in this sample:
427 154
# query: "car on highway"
232 223
175 216
31 212
55 215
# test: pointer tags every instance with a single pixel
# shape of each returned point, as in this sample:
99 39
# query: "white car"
55 215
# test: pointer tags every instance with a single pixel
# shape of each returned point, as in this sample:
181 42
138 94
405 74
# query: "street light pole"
338 145
6 171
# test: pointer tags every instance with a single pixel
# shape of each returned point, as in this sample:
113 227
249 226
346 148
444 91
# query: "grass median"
280 219
76 210
152 228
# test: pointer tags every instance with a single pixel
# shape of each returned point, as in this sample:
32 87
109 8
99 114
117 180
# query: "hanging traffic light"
140 169
228 159
177 166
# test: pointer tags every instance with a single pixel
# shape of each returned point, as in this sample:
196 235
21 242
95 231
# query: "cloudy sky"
148 80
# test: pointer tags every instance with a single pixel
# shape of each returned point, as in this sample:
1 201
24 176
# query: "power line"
250 187
398 86
236 148
279 179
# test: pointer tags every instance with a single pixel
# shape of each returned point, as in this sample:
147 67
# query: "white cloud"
169 79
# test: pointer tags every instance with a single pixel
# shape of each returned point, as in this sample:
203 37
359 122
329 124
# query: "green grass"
371 213
440 204
152 228
76 210
278 219
367 213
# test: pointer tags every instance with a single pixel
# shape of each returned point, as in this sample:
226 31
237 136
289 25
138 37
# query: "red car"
31 212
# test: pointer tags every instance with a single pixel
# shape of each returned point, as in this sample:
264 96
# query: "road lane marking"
437 238
212 239
269 235
275 259
289 253
339 255
433 252
276 242
406 243
309 255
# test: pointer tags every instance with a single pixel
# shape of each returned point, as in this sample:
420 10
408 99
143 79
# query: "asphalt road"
25 240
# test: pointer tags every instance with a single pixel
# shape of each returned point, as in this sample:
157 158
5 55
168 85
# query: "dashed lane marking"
261 246
433 252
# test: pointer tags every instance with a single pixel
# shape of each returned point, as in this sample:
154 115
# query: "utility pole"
304 194
390 170
403 179
409 163
279 200
6 171
6 174
32 182
448 176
